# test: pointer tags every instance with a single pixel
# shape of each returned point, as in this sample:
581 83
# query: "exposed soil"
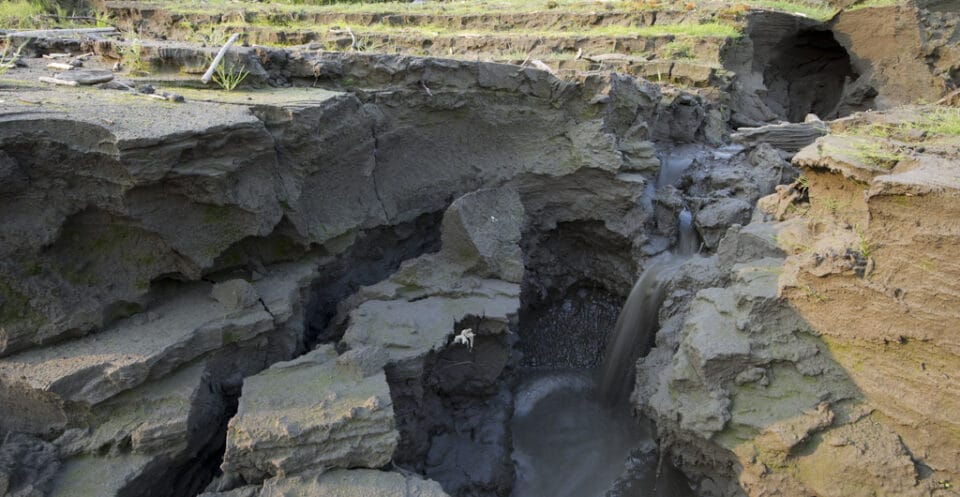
376 273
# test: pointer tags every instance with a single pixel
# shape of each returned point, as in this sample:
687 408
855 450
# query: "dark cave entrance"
808 72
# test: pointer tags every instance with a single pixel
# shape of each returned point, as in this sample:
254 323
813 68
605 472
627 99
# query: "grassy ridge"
713 29
21 14
495 6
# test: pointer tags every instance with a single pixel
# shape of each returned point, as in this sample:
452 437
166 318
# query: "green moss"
847 353
232 257
281 248
121 310
677 50
734 435
409 289
232 336
115 236
80 274
589 112
15 307
214 214
33 267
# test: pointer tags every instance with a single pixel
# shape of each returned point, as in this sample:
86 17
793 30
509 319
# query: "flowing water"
688 243
566 441
635 329
573 432
633 335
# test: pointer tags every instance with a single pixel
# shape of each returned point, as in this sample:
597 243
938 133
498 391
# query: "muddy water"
635 328
567 443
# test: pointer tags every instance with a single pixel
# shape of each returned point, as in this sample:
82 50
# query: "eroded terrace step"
47 386
160 17
517 44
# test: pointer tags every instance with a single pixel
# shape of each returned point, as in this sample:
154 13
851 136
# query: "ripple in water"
566 442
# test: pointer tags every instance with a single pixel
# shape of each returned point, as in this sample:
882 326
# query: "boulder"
86 76
341 483
235 295
712 219
142 439
411 329
187 326
104 476
482 230
314 411
639 156
27 466
168 416
789 137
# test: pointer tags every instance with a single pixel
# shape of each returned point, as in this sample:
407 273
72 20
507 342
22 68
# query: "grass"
864 247
930 122
677 49
831 204
877 154
814 294
229 78
21 14
132 55
875 130
7 59
705 30
46 14
398 7
867 4
943 121
818 12
486 6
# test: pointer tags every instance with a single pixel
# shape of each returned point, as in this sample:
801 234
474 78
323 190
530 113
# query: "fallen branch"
543 67
170 97
69 18
353 39
216 60
526 60
53 33
56 81
60 66
952 98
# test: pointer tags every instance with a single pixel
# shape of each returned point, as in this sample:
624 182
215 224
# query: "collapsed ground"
169 271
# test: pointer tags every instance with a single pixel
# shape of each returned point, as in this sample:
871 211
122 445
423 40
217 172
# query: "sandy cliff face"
884 280
820 359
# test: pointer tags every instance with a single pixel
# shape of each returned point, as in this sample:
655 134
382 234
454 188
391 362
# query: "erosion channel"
382 274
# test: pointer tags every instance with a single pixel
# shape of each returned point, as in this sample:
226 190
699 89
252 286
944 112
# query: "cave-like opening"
806 73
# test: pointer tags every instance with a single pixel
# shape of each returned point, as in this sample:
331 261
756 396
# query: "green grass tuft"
941 121
819 12
677 50
878 155
868 4
21 14
229 78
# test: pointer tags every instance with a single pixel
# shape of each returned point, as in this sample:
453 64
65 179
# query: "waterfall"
637 324
688 243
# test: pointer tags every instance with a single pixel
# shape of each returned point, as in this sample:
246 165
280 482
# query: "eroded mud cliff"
335 286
